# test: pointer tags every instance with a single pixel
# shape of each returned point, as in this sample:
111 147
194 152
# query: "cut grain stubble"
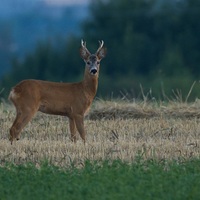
48 138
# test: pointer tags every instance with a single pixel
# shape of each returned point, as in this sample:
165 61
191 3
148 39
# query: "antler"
100 46
83 44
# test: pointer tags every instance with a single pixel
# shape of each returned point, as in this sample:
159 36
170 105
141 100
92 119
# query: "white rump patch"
12 95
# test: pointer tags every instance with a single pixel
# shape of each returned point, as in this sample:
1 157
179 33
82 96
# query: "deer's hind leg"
24 114
21 120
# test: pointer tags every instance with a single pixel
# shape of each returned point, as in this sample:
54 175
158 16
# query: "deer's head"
92 60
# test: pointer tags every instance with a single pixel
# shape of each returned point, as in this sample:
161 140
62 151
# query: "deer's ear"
84 53
101 53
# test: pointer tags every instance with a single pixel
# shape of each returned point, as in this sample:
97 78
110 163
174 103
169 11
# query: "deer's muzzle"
93 71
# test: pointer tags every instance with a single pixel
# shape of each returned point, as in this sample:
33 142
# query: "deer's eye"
98 62
88 62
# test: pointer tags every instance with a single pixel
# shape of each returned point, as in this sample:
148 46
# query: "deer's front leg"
79 121
72 127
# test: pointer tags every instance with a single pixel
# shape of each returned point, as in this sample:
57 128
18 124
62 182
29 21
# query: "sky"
66 2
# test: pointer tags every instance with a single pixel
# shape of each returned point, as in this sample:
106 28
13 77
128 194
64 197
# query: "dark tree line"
150 42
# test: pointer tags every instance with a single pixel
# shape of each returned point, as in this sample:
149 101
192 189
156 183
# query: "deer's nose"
93 71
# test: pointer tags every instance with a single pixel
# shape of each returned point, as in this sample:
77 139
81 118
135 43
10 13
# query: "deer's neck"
90 84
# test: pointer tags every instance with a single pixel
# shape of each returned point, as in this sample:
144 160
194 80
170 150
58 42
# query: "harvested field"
115 130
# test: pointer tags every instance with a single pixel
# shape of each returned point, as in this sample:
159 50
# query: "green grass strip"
102 180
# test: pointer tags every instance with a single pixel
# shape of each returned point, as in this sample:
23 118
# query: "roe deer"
66 99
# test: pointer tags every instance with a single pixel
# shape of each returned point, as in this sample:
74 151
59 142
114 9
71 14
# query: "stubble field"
115 130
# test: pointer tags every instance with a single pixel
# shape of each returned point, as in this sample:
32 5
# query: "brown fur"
66 99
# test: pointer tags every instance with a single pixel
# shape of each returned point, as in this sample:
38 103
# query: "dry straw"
115 130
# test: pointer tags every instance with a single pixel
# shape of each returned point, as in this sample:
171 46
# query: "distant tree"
139 32
188 37
6 47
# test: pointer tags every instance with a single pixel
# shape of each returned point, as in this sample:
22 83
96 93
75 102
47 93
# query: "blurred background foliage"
151 44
